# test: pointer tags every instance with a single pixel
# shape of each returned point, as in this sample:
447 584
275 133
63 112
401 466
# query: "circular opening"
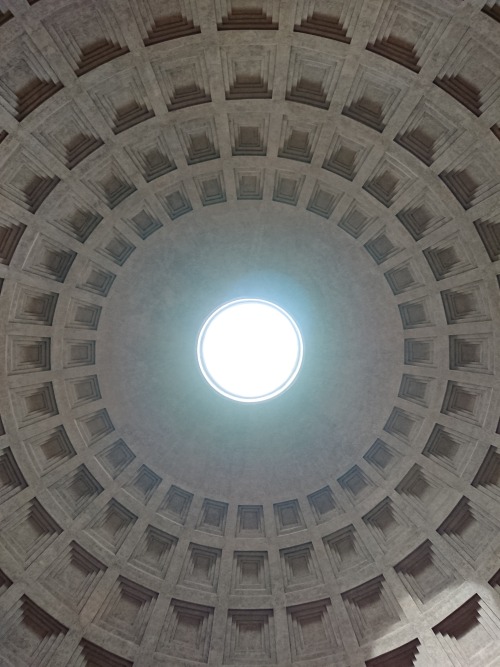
250 350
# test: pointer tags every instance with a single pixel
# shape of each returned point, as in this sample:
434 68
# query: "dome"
160 158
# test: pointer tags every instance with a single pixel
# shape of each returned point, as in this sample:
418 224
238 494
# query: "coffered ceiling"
159 157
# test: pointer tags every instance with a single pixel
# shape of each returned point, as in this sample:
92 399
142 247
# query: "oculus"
250 350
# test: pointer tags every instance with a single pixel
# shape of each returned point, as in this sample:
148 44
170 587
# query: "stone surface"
160 158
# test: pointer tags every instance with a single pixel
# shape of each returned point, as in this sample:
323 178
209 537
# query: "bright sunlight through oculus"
250 350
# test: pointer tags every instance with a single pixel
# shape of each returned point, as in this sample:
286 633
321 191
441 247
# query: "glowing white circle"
250 350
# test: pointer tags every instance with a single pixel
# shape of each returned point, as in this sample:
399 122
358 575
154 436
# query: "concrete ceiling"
158 157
